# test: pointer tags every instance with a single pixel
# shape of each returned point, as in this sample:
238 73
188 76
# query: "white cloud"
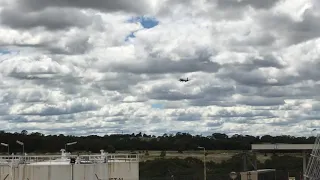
253 67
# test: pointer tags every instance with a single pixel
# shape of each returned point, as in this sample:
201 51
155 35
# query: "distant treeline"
37 142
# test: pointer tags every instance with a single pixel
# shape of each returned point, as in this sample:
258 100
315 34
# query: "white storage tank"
67 167
62 172
122 166
5 171
123 170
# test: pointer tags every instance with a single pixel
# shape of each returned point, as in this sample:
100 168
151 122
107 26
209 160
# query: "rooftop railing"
64 158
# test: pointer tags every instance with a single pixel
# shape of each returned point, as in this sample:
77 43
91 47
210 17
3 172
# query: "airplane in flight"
184 80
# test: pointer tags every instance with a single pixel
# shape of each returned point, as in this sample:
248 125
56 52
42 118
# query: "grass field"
215 156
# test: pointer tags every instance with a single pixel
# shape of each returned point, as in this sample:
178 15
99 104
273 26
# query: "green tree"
111 149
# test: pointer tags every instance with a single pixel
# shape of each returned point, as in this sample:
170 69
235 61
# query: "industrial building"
261 174
269 174
70 167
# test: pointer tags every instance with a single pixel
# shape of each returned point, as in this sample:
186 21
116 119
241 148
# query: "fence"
279 175
191 177
51 158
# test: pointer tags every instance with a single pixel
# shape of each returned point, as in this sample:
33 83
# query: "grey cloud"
79 44
166 92
4 109
186 116
213 95
276 94
48 18
248 72
207 102
51 110
34 75
72 85
247 120
252 64
121 82
67 83
260 101
260 4
11 97
209 94
294 31
63 118
137 6
75 46
309 70
226 9
284 122
262 40
291 91
161 66
255 77
267 61
60 118
230 114
15 119
215 123
38 119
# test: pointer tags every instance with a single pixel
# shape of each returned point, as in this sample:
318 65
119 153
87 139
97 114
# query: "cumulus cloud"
139 6
97 67
48 18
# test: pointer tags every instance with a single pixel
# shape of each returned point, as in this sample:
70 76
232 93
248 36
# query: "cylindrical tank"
118 170
62 172
5 171
85 167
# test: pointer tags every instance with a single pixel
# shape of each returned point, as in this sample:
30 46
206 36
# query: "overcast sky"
104 66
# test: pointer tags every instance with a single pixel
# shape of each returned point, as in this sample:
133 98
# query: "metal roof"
280 146
259 171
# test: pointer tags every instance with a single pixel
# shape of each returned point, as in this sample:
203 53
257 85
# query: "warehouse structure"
279 147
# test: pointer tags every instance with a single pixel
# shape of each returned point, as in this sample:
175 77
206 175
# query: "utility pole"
204 163
7 145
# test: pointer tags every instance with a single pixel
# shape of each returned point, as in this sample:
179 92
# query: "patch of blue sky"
146 22
3 52
157 106
131 35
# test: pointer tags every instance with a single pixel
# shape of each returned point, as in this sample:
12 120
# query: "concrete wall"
109 171
55 172
123 170
90 172
5 172
43 172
